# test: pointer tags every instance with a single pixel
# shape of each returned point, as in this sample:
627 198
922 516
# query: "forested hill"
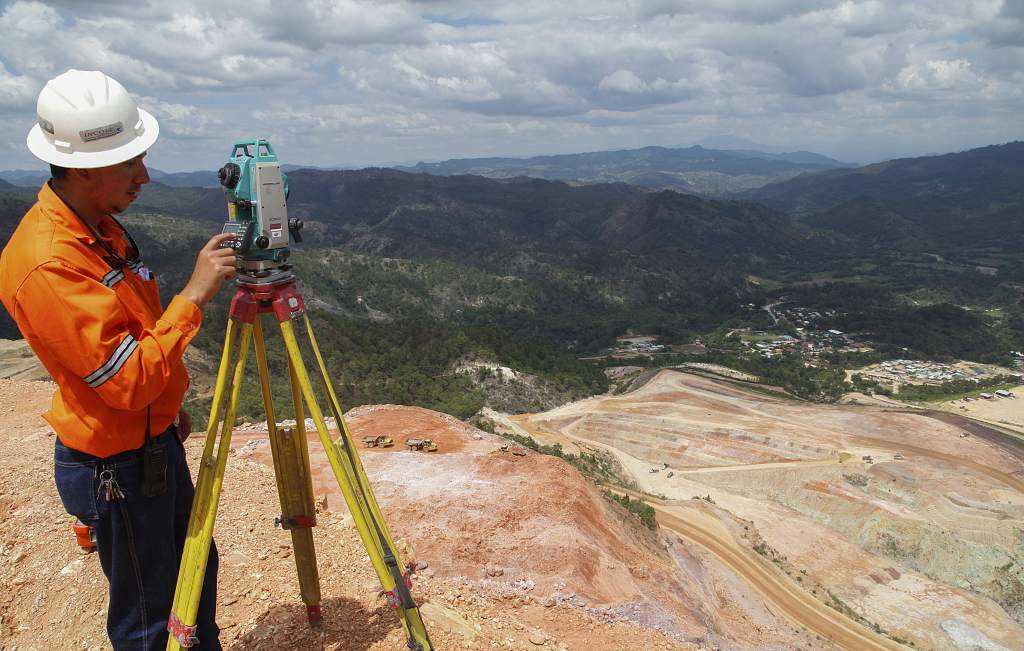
543 260
475 220
972 199
690 169
411 275
420 215
398 214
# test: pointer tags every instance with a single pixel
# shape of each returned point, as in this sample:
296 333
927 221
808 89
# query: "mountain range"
35 178
578 263
691 169
694 169
965 202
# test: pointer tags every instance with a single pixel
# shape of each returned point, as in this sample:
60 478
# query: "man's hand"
214 265
184 425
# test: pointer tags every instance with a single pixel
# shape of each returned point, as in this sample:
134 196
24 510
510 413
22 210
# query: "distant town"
898 372
812 343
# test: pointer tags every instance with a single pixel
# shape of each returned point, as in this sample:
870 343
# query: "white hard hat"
86 119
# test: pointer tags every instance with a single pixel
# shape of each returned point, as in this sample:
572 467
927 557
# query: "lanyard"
113 260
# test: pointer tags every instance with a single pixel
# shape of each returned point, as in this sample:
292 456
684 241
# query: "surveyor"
73 279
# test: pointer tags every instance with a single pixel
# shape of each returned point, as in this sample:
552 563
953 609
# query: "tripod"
279 296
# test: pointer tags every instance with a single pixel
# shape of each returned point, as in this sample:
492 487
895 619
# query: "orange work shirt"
100 331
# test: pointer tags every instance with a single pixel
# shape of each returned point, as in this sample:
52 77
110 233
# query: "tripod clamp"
279 297
294 522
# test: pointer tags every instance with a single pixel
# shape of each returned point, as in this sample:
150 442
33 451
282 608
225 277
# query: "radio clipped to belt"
154 464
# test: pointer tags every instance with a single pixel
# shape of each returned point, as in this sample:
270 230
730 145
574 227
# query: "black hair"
58 172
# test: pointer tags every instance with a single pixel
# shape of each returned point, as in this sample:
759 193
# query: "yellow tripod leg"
205 467
204 507
345 447
294 484
359 496
346 436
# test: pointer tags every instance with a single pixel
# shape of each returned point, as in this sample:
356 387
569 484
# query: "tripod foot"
313 614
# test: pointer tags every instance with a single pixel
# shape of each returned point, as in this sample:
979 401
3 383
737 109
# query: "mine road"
1002 477
777 588
1010 441
683 517
768 465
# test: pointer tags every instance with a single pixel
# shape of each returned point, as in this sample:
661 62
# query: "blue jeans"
139 540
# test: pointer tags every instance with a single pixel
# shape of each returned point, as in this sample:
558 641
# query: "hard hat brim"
44 150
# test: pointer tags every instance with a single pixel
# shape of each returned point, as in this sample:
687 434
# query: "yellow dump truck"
422 445
378 441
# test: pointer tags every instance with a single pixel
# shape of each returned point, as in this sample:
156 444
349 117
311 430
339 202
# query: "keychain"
109 486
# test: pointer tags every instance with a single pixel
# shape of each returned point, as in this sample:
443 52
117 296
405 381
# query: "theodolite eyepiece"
228 175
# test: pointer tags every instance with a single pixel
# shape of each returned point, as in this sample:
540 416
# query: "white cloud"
348 81
623 81
17 92
938 74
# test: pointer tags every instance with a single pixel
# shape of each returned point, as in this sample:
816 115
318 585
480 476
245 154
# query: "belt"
84 457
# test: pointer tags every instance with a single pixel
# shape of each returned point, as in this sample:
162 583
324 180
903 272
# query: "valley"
708 446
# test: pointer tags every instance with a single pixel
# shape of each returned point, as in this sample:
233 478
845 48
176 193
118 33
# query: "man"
72 279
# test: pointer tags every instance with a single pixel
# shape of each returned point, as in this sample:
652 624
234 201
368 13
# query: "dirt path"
523 423
783 593
773 465
778 589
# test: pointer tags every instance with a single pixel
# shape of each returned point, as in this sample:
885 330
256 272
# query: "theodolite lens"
228 175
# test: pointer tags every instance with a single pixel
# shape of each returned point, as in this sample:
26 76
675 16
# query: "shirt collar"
60 213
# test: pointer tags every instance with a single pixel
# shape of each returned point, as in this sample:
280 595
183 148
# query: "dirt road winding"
783 593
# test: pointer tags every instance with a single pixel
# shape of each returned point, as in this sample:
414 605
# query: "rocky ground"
515 552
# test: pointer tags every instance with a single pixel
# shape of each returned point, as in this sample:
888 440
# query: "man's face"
115 187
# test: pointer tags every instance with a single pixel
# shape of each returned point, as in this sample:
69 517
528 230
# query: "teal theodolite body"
257 192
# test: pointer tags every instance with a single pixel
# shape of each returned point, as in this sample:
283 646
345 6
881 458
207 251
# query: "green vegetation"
941 331
409 276
637 507
402 362
789 372
598 466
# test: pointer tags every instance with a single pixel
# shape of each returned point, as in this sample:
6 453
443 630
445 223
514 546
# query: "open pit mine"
907 524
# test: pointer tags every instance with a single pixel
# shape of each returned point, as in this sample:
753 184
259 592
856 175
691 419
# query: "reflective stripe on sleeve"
112 365
113 277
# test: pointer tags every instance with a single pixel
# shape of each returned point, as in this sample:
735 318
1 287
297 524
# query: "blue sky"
357 83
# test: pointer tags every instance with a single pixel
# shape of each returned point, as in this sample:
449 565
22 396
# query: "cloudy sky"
346 82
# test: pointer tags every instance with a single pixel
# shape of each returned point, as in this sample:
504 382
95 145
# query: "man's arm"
83 324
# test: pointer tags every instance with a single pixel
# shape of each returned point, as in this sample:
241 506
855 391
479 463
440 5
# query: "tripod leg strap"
184 635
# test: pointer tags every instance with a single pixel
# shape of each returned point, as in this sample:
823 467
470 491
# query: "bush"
637 507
